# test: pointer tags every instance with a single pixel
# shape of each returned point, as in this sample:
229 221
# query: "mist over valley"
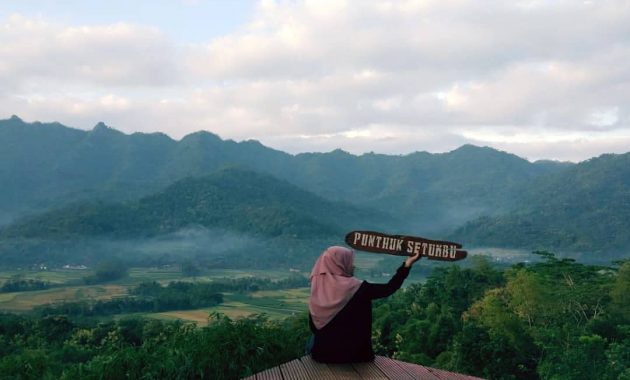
81 196
62 184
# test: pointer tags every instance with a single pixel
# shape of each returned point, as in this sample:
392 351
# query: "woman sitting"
340 307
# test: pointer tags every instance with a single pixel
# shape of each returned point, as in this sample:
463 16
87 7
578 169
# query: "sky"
540 79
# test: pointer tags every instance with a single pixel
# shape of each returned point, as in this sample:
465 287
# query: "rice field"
138 275
25 301
273 303
276 304
57 276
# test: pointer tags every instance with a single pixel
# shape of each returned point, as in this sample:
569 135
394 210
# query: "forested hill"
585 208
433 192
233 218
47 164
501 200
231 199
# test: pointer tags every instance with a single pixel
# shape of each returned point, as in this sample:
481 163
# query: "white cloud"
532 77
39 54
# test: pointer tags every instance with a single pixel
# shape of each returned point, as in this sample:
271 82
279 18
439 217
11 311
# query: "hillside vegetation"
585 208
557 319
108 184
277 217
232 199
47 165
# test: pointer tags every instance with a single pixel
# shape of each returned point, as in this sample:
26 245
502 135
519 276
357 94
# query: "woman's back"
347 336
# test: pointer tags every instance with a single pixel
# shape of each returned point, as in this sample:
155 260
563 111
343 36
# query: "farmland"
66 286
275 304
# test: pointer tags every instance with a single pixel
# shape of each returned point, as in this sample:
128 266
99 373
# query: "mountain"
248 211
585 208
122 186
433 192
232 199
47 165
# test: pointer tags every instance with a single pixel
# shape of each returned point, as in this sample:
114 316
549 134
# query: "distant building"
77 267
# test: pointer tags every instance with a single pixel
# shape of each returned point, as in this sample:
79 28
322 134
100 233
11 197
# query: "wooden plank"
418 371
381 369
252 377
319 370
270 374
391 369
369 370
447 375
343 371
295 370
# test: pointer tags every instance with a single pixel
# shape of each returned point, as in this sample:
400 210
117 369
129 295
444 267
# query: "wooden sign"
401 245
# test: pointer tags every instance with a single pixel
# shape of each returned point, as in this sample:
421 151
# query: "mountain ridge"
224 196
593 195
475 189
280 222
101 162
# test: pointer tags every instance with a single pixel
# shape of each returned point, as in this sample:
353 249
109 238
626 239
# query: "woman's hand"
411 260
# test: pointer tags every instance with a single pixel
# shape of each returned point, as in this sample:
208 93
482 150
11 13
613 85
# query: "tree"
190 268
620 293
108 270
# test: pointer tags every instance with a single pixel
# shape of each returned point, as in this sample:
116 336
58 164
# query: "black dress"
347 338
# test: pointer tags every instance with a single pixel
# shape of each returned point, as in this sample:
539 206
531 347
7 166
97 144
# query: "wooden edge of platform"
382 368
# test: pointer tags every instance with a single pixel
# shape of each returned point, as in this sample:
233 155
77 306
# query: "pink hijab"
332 284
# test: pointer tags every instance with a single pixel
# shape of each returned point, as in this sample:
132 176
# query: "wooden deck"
382 368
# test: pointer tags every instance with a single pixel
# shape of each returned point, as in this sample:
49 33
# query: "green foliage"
418 324
231 199
286 222
177 295
148 349
620 294
17 283
107 270
190 268
434 192
556 319
100 175
584 208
